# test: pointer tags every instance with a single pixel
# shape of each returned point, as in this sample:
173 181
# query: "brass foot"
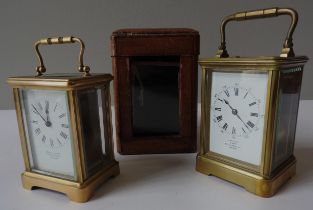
76 192
251 182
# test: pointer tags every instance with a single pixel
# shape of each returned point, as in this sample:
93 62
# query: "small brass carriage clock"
249 113
65 128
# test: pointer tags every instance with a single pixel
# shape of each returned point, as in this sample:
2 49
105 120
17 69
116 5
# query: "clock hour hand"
36 111
235 112
227 102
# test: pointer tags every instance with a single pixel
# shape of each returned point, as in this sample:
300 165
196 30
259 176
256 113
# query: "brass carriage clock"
65 128
249 113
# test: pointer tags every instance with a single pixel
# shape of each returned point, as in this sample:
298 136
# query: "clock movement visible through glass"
92 116
237 115
288 97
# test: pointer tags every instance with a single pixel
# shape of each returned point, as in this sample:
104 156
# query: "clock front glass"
237 115
47 128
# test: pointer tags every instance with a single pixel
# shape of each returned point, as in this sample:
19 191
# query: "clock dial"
236 111
47 124
237 115
50 123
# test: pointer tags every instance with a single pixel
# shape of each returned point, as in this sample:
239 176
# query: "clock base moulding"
264 187
76 192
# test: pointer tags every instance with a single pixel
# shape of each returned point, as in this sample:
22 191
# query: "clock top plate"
60 80
261 62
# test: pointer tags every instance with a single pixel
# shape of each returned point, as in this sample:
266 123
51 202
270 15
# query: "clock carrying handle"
287 50
61 40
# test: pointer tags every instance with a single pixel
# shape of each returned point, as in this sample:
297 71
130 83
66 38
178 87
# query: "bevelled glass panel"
155 96
289 93
92 125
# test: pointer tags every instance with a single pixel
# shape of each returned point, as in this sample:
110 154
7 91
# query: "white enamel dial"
50 126
237 115
236 111
46 120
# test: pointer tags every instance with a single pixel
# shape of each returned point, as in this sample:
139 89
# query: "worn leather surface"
162 41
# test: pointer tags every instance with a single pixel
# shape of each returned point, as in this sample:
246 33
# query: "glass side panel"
155 96
91 119
47 125
287 113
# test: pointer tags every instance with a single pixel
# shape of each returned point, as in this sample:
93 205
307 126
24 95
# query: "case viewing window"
155 83
155 95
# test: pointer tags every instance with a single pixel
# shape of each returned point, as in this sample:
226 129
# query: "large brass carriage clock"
65 128
249 113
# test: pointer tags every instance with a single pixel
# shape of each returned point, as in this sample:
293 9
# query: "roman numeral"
218 109
225 126
51 143
220 99
250 124
245 95
226 92
39 105
233 130
64 125
59 141
37 131
43 139
219 118
62 115
254 114
243 130
55 107
35 121
236 91
63 135
252 103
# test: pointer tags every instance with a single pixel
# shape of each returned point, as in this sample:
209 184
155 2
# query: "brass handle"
287 50
61 40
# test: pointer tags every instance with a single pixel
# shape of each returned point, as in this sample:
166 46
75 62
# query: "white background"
159 182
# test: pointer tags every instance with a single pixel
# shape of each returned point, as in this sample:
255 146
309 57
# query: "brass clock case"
266 178
81 189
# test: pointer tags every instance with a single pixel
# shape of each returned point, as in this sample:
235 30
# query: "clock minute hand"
48 122
242 121
39 113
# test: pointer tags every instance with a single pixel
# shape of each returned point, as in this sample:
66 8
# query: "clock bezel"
224 158
206 107
28 140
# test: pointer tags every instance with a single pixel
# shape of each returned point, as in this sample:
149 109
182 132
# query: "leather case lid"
154 31
155 42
